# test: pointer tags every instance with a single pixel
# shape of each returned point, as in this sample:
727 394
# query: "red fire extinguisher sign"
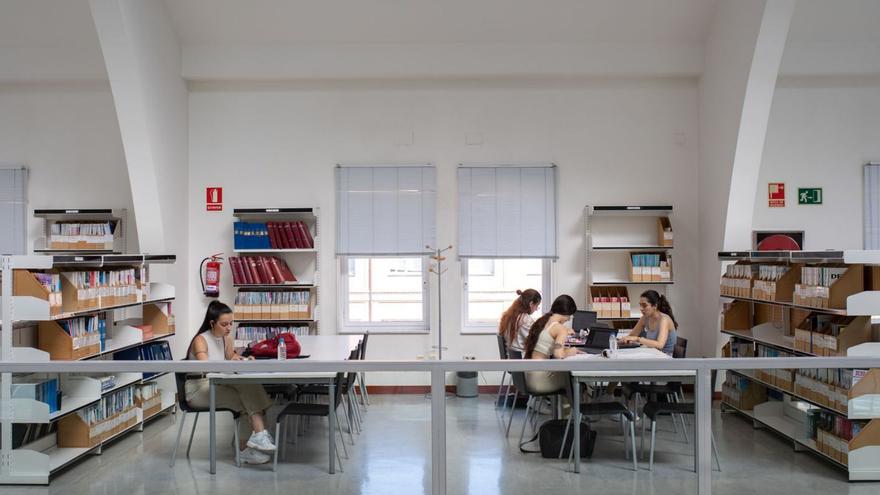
214 198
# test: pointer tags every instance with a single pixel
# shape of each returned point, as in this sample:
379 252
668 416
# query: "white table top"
317 347
629 354
279 375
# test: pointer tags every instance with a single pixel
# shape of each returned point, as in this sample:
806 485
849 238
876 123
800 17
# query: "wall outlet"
469 357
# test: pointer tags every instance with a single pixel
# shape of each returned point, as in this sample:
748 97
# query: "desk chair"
653 410
502 354
184 407
519 381
672 391
351 411
612 408
309 410
362 377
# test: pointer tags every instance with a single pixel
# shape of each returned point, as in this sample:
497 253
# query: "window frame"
347 326
474 328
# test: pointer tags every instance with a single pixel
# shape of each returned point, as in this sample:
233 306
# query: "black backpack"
550 439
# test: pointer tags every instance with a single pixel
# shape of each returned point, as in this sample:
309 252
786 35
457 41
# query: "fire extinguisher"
211 279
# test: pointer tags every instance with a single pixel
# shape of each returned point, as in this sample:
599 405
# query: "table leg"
331 420
213 421
703 437
576 417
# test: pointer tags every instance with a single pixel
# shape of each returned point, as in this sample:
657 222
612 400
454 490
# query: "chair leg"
348 419
653 440
364 392
525 421
336 418
338 458
624 429
512 411
642 441
179 433
192 434
236 442
632 437
565 437
715 451
278 445
500 387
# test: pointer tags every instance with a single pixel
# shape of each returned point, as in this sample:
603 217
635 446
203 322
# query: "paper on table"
584 356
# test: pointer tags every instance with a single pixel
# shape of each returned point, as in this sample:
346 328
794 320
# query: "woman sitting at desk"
546 340
517 320
214 342
657 326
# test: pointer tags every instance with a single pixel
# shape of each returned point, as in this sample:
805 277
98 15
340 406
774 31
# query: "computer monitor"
583 320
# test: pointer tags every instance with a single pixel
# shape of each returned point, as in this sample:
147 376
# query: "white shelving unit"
34 463
748 323
304 263
612 234
117 217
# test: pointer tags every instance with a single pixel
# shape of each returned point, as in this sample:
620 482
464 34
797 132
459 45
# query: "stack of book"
650 268
52 283
815 287
832 434
82 236
263 270
743 393
765 286
828 387
737 281
292 305
250 333
154 351
38 388
86 330
273 235
102 288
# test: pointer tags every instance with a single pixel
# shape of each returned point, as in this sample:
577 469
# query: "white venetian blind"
385 210
872 206
13 203
507 212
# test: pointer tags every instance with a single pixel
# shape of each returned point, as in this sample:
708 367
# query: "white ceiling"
439 21
835 21
25 23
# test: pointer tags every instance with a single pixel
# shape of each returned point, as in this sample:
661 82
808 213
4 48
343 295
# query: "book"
309 242
267 270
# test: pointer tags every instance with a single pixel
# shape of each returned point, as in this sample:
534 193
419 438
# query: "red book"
285 270
266 271
276 270
237 275
251 266
281 236
308 242
273 235
292 238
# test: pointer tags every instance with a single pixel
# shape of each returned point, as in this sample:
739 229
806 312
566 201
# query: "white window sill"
379 330
479 330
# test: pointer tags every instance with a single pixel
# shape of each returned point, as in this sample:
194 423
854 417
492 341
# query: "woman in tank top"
214 342
546 340
517 320
657 326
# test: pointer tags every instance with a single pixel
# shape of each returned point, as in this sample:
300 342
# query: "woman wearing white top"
517 320
214 342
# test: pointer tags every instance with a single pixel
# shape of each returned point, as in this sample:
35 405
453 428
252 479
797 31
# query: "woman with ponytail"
517 320
546 340
657 326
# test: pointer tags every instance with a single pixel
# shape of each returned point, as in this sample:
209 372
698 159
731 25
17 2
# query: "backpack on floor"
550 439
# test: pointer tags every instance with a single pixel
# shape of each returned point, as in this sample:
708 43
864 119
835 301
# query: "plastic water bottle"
282 349
612 346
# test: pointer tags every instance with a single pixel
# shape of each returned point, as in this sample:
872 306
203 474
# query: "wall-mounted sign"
776 195
214 198
809 195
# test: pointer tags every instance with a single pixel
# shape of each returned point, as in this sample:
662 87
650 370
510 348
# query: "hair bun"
518 292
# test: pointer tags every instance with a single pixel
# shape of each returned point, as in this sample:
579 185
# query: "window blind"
385 210
872 206
507 212
13 206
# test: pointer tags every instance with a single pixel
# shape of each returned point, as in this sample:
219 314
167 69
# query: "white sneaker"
261 441
251 456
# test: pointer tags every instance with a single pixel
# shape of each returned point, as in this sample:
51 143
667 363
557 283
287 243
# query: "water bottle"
282 349
612 345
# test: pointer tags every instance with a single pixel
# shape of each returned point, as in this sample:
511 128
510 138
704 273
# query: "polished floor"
392 456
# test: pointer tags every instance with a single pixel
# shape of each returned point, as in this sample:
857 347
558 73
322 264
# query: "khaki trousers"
245 398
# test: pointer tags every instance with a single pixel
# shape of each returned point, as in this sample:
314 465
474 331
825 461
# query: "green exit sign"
809 195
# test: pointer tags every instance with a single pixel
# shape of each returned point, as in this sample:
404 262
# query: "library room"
497 248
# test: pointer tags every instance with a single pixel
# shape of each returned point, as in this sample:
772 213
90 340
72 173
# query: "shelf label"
214 198
271 210
71 211
809 195
776 195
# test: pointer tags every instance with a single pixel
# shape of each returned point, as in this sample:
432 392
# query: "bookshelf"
628 249
82 230
806 303
38 326
286 238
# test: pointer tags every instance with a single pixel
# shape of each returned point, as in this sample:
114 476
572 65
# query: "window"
387 293
490 286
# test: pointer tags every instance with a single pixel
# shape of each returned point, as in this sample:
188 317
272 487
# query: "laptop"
599 337
583 320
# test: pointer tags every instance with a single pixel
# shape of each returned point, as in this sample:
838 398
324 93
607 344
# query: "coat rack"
439 271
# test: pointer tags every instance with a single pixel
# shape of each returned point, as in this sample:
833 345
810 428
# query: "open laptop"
599 337
583 320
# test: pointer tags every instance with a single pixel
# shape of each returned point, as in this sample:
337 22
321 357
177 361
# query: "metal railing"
438 369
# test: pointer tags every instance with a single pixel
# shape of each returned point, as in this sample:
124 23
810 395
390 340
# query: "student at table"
657 326
214 342
546 340
517 320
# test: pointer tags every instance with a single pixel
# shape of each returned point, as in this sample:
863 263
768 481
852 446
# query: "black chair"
671 391
310 410
362 377
611 408
653 410
502 354
351 412
184 407
532 407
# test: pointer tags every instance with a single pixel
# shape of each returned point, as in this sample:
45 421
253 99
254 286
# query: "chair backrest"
680 349
180 381
502 347
340 382
363 348
352 376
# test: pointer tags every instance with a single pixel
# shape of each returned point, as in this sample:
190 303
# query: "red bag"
269 348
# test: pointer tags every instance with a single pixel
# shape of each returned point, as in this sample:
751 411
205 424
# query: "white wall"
68 137
615 141
820 136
